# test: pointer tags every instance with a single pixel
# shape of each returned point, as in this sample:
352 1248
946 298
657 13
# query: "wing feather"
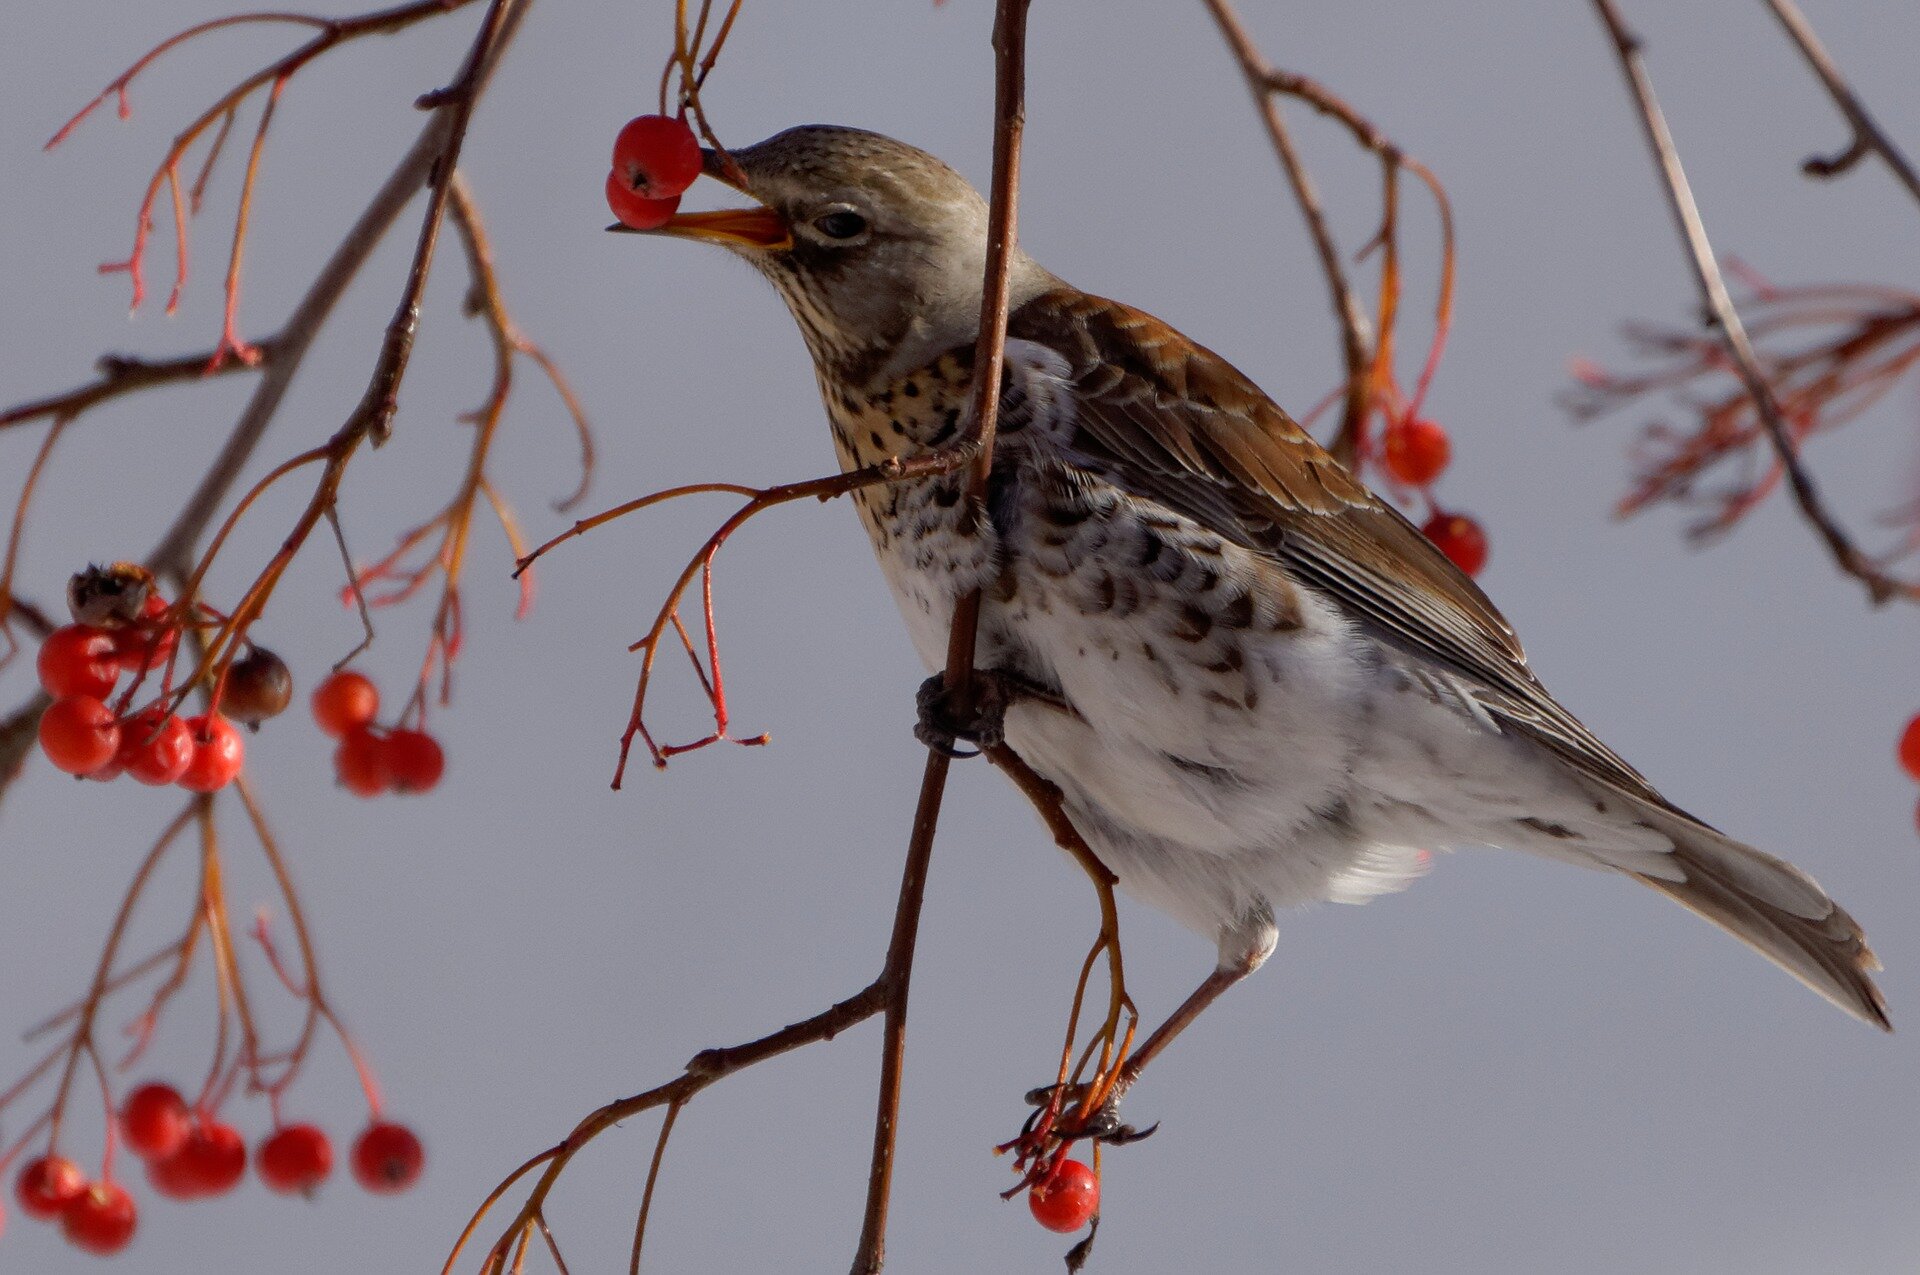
1174 423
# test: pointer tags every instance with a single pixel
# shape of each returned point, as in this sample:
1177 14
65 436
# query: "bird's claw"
1102 1126
979 720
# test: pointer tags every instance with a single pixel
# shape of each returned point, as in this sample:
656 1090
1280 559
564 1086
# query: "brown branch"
123 374
702 1070
1009 112
1733 335
374 415
1868 136
173 555
1356 342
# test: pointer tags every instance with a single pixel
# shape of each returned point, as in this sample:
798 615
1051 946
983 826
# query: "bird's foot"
978 718
1100 1125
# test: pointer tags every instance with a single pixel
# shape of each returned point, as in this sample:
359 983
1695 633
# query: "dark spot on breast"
879 443
897 428
1105 594
1193 625
911 389
1231 662
946 495
1151 547
1238 613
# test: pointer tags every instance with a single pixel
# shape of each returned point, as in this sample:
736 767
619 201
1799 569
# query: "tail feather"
1774 908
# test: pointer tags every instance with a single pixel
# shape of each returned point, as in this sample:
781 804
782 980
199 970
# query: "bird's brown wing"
1173 422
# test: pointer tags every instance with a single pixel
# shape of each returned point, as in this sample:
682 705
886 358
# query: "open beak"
758 227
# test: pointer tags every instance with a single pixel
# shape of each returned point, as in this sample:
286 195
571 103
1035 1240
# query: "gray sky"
1513 1066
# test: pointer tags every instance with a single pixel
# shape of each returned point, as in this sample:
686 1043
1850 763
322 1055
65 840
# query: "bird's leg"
1074 1109
1207 993
979 718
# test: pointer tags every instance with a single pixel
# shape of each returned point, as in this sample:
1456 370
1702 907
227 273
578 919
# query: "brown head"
878 248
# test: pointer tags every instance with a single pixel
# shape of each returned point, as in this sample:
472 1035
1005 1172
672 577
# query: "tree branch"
1733 335
1356 341
1868 137
1010 69
173 555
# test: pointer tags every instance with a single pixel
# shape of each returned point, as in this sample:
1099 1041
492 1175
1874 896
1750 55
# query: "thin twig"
1868 136
374 415
173 555
1733 335
1356 341
123 374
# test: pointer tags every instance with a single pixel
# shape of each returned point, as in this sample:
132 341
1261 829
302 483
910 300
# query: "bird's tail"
1774 908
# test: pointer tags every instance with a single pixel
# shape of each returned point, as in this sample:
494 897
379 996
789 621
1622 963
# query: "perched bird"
1255 683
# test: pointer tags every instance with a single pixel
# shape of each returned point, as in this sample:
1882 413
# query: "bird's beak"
759 228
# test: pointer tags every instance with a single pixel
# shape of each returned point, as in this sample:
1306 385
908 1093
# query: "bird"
1255 684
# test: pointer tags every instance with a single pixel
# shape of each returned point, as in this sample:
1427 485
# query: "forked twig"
1868 136
1726 318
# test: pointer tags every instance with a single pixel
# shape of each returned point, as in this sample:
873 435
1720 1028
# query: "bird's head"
878 248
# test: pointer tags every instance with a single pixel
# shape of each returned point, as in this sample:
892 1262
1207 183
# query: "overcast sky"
1513 1066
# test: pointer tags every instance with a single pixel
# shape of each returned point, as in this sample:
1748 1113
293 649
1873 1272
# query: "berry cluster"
655 159
192 1156
130 633
1414 452
370 761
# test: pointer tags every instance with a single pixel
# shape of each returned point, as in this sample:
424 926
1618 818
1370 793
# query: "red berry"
148 640
258 687
78 660
154 1121
414 760
296 1158
174 1177
387 1158
212 1161
1067 1199
1460 538
656 157
360 764
1416 451
155 749
78 734
100 1220
218 753
637 212
46 1185
345 701
1910 748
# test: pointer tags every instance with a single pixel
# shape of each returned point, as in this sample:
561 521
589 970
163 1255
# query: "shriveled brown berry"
258 687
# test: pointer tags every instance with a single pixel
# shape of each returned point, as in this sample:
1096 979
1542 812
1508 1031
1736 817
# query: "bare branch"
1356 340
1713 290
123 374
1009 112
1868 137
174 553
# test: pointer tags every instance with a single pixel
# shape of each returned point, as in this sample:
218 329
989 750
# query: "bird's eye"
841 223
